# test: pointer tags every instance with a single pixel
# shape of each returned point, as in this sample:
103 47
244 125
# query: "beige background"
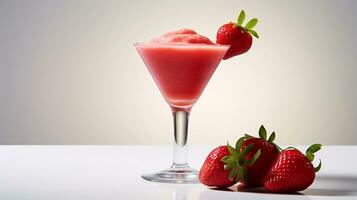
69 73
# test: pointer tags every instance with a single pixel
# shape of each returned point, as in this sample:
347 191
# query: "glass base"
174 175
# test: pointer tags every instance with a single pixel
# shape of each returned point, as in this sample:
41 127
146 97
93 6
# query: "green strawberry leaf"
314 148
272 137
231 159
262 132
254 158
255 34
233 173
246 150
251 23
241 18
248 136
318 167
231 150
240 142
311 150
224 159
310 156
240 174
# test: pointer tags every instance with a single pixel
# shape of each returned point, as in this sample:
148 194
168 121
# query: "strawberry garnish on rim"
236 35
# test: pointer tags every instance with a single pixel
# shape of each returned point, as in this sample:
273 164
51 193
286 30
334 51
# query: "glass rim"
180 44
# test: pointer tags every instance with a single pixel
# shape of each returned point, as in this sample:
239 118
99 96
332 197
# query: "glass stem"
180 136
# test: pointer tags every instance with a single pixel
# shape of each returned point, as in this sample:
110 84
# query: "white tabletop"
113 172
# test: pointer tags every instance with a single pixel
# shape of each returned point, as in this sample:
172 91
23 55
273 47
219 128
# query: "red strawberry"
292 171
237 36
212 172
224 166
269 153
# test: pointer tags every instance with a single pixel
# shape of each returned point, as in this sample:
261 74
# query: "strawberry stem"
310 154
236 163
249 26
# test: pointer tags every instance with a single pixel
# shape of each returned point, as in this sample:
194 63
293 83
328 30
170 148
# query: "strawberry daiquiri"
181 64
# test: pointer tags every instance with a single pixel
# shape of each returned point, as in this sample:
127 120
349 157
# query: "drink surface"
181 65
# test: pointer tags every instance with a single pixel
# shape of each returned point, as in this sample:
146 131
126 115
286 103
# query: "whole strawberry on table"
269 153
292 171
259 162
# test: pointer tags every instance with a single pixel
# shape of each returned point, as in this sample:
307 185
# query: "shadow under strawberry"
333 185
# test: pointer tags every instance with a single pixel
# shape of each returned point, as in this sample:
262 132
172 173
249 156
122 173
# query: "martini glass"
181 72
